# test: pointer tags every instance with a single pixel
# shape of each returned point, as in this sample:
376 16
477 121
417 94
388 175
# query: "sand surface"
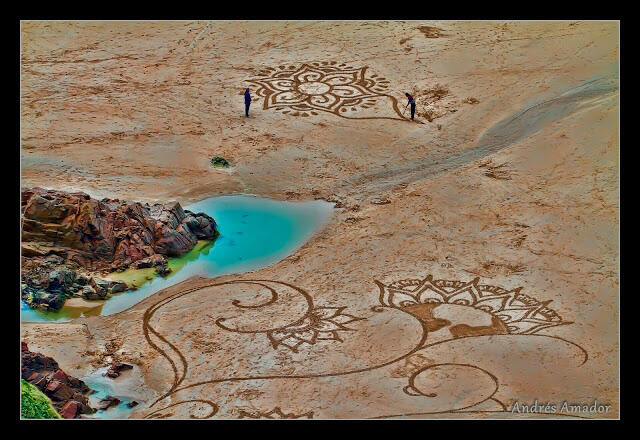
428 293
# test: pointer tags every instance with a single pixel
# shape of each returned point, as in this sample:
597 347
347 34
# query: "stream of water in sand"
254 233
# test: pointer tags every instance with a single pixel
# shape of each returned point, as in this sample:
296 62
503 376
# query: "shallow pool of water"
105 386
254 233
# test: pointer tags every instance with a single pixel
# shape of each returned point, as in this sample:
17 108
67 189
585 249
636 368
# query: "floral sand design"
339 89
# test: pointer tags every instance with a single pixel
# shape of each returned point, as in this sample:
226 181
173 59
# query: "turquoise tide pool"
254 233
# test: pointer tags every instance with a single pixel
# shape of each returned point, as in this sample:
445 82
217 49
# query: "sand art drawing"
339 89
317 324
275 413
446 311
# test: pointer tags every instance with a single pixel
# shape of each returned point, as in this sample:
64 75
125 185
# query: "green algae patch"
134 277
34 404
139 277
218 161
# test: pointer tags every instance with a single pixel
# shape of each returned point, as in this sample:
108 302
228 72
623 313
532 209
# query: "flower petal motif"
322 102
351 91
343 78
327 312
466 296
521 314
286 98
345 319
321 324
278 84
327 326
307 73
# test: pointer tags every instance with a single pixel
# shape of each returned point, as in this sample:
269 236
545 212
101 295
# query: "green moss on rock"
35 405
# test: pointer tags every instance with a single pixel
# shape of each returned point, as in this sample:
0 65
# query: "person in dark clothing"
413 105
247 102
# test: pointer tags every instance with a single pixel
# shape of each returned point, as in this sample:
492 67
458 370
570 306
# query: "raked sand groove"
510 178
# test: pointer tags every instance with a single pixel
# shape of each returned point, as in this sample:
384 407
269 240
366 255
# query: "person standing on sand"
413 105
247 102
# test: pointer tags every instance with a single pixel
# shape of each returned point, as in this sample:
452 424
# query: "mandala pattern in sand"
340 89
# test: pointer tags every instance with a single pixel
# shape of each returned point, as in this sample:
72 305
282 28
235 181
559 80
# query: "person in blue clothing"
247 102
413 105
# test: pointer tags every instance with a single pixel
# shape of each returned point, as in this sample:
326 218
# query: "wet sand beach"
471 259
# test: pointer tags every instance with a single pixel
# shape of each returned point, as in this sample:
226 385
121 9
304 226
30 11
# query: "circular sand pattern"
342 90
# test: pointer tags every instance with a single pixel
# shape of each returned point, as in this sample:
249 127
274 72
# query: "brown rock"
44 373
60 375
108 402
69 410
108 233
53 386
63 393
116 368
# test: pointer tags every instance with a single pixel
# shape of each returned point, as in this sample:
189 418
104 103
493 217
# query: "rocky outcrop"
108 233
116 368
65 235
68 394
47 282
108 402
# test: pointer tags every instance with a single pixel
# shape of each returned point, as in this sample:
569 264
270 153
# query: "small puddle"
119 387
254 233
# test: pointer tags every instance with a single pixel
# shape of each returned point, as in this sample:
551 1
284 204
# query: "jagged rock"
45 373
108 402
83 279
100 286
118 287
109 230
88 292
116 368
163 270
69 410
61 278
65 232
152 261
42 299
59 391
